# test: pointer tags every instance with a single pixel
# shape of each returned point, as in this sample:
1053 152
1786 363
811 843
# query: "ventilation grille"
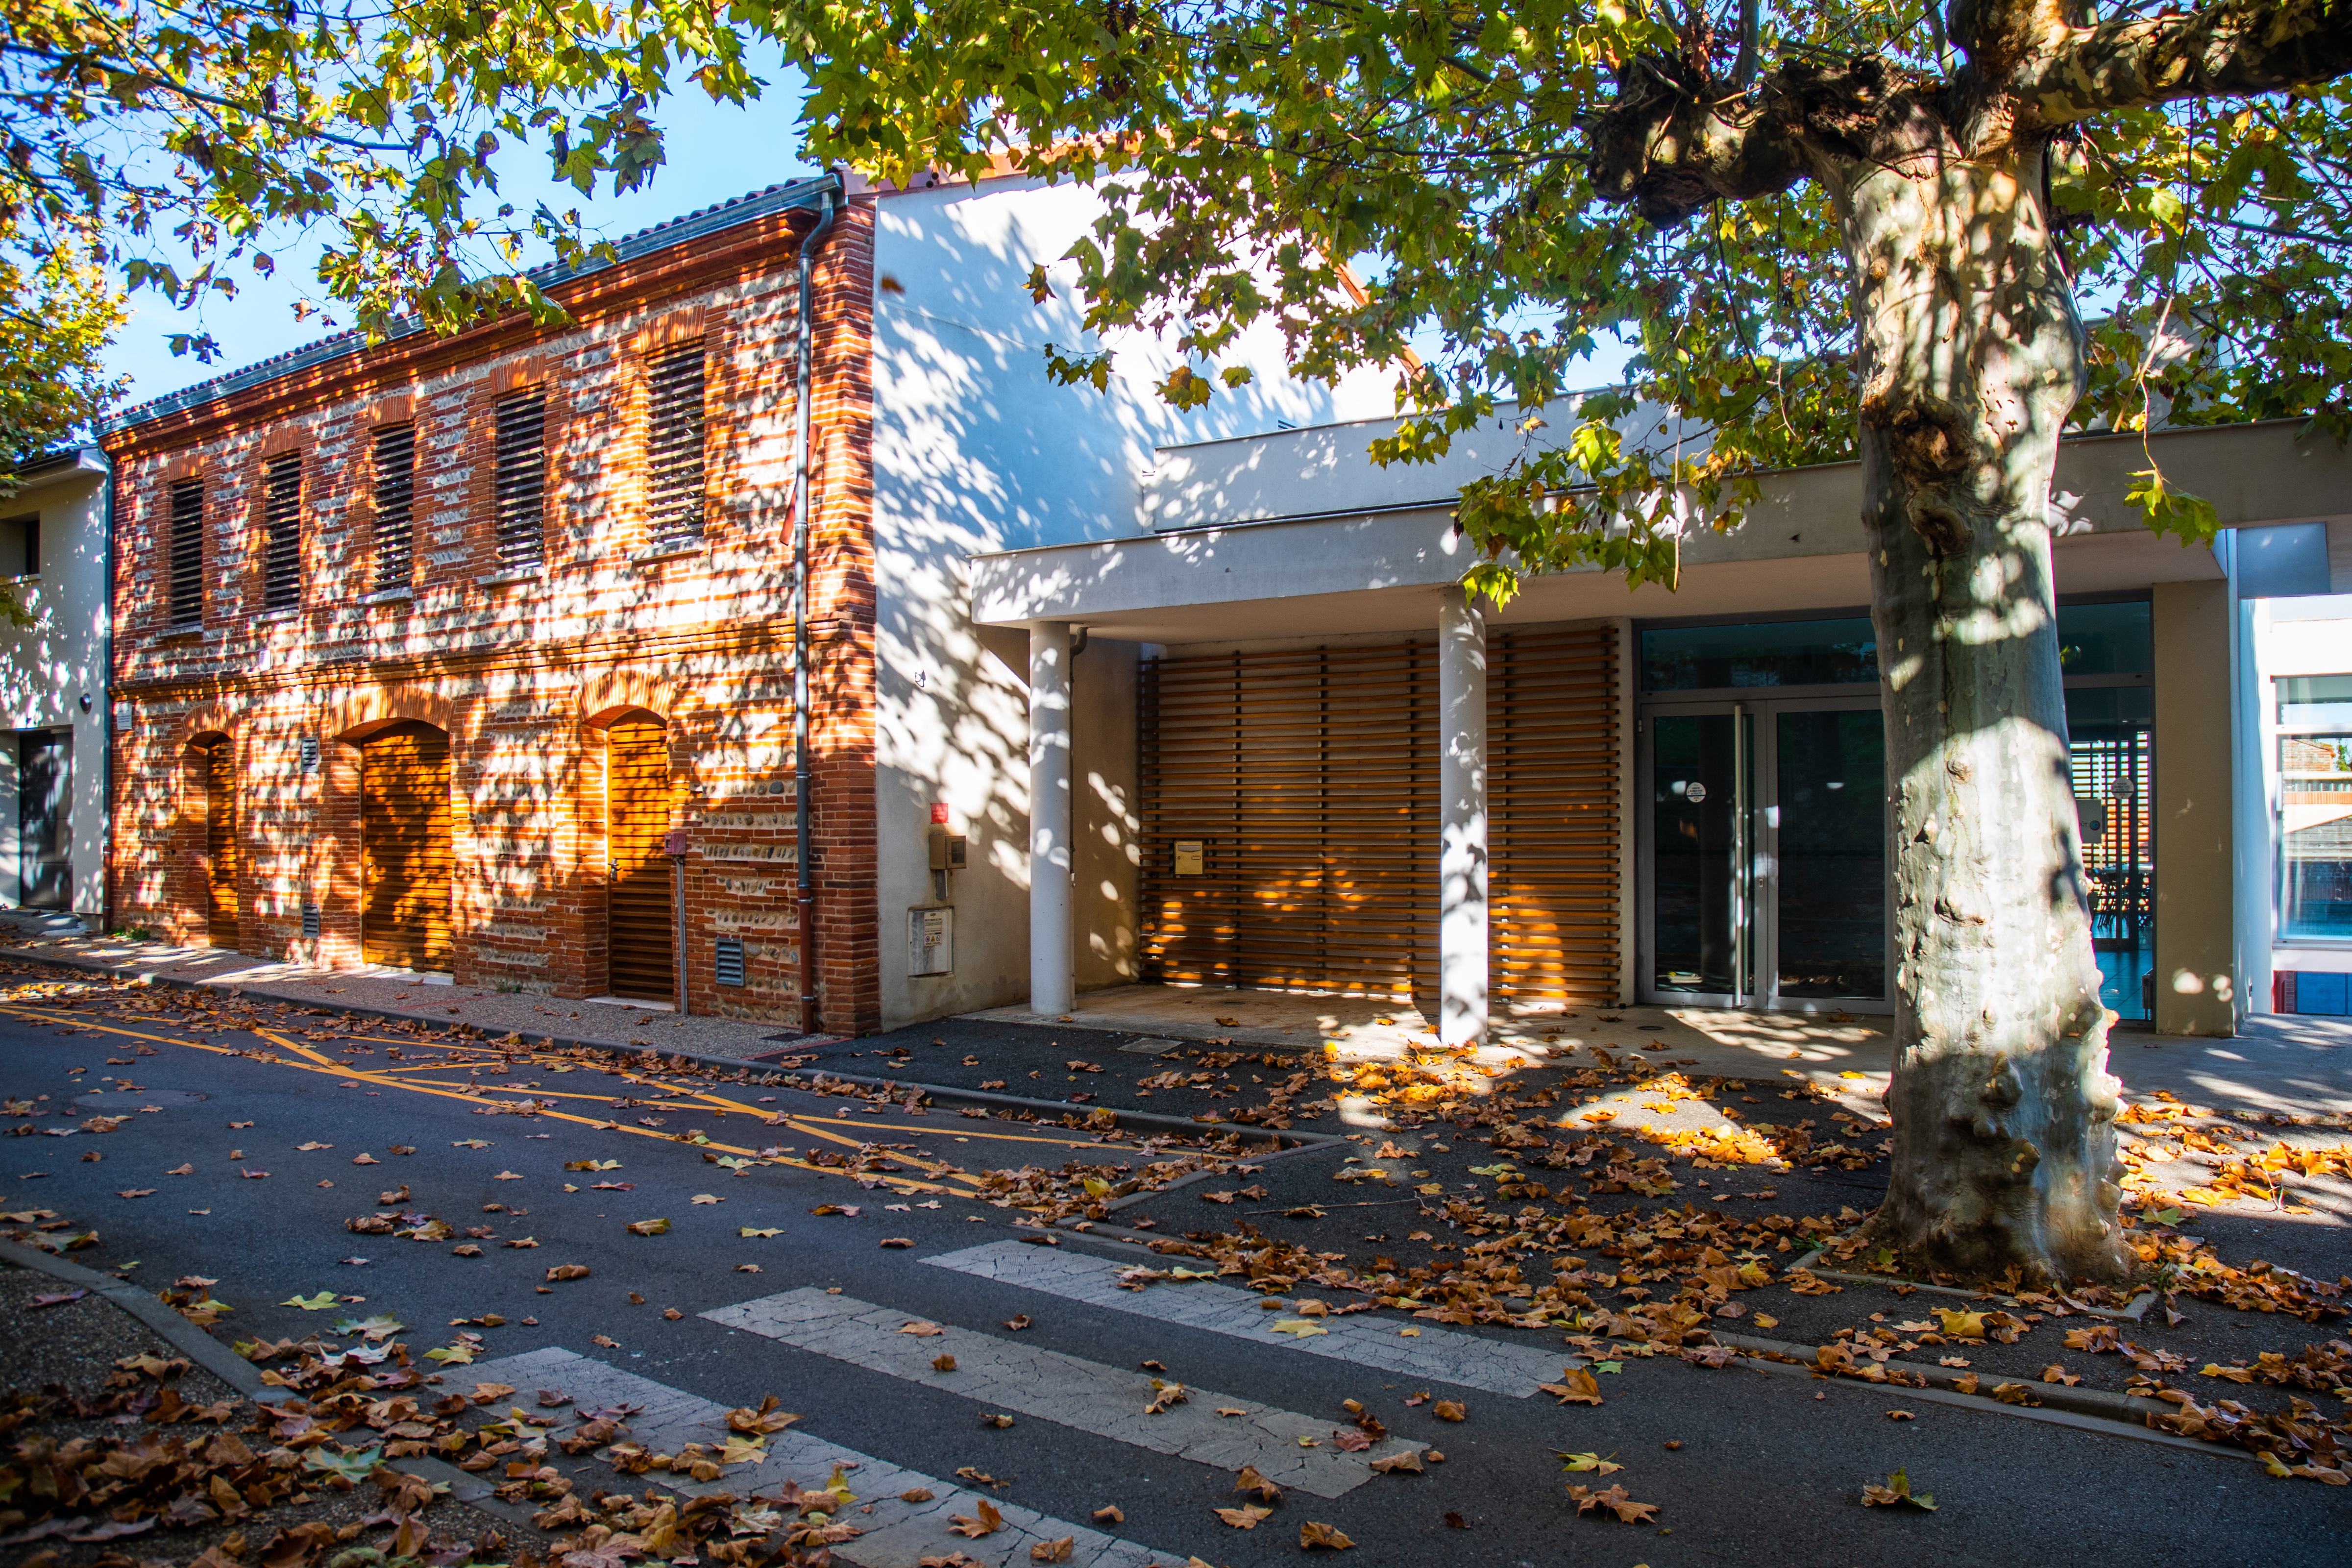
520 479
308 749
395 498
282 559
730 960
186 607
311 921
674 446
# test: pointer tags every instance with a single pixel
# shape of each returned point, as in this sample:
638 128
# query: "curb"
2116 1415
241 1375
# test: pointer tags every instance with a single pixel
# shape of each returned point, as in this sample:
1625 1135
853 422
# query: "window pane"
184 589
1770 653
2106 639
2108 731
2316 835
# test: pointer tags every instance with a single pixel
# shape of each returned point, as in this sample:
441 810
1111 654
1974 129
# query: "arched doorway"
639 936
214 759
404 847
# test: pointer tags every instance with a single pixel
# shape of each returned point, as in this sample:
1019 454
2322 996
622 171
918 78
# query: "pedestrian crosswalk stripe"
896 1534
1437 1354
1029 1380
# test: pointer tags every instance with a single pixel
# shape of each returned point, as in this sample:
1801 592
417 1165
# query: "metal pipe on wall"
803 498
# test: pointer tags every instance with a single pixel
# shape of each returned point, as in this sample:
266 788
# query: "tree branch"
2232 48
1669 147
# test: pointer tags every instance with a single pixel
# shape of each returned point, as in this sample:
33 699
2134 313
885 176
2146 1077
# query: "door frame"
32 864
1755 843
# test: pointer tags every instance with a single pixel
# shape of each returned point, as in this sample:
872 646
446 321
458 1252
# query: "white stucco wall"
976 450
46 670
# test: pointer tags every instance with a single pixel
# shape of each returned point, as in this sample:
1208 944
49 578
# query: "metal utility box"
1190 856
930 941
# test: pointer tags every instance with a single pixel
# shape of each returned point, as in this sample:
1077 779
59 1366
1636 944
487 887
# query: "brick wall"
524 672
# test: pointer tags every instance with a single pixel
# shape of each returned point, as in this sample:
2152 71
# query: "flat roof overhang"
1801 549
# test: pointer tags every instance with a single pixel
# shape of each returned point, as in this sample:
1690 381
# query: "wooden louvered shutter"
1552 747
221 906
1310 779
404 856
638 922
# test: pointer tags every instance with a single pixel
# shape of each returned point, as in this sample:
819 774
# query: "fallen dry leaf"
1053 1551
1616 1501
1406 1463
1577 1386
1244 1517
1017 1324
672 1314
650 1228
1250 1481
921 1328
137 1192
898 1241
307 1148
605 1341
992 1419
916 1494
706 1198
1450 1410
1314 1534
1896 1491
1900 1415
365 1160
983 1521
1110 1513
943 1362
567 1271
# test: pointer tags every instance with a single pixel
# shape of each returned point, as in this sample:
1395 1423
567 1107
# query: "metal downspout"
106 690
804 496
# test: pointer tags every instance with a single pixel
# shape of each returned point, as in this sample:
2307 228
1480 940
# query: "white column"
1462 798
1051 987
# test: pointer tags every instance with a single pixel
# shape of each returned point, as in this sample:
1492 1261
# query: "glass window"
1841 652
2109 735
2315 835
2106 639
2315 702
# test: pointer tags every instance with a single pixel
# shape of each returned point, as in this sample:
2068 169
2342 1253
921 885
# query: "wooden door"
638 933
216 756
404 847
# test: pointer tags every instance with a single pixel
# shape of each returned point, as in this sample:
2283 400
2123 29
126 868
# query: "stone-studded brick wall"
524 672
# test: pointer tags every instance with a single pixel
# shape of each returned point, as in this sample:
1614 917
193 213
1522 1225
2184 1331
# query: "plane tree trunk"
1971 358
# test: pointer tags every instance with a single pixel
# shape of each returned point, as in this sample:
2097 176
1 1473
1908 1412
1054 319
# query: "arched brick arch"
609 694
354 716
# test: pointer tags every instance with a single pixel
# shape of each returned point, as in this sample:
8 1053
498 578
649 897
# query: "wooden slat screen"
404 856
395 505
518 479
637 812
281 554
674 441
1310 778
220 841
1552 740
185 590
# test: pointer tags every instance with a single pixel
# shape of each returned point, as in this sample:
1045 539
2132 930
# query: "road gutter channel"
242 1376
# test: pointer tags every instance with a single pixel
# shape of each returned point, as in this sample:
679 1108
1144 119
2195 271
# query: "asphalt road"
1768 1468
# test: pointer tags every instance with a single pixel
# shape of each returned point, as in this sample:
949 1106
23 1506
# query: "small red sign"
940 815
676 843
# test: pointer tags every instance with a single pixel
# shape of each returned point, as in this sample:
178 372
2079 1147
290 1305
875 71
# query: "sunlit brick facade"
522 635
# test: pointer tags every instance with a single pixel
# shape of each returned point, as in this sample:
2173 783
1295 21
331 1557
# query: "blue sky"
715 152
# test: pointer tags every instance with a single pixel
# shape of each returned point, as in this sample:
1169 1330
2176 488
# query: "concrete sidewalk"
401 992
2294 1065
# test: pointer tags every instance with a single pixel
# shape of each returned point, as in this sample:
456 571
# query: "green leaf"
318 1303
351 1465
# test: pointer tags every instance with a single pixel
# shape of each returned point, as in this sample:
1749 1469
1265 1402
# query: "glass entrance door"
1766 841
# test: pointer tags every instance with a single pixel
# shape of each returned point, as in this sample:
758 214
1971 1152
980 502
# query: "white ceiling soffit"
1801 548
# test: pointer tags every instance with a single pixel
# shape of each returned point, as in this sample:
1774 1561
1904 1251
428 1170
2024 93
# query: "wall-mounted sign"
1188 856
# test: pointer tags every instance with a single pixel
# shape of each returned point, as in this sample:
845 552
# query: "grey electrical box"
930 941
949 851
